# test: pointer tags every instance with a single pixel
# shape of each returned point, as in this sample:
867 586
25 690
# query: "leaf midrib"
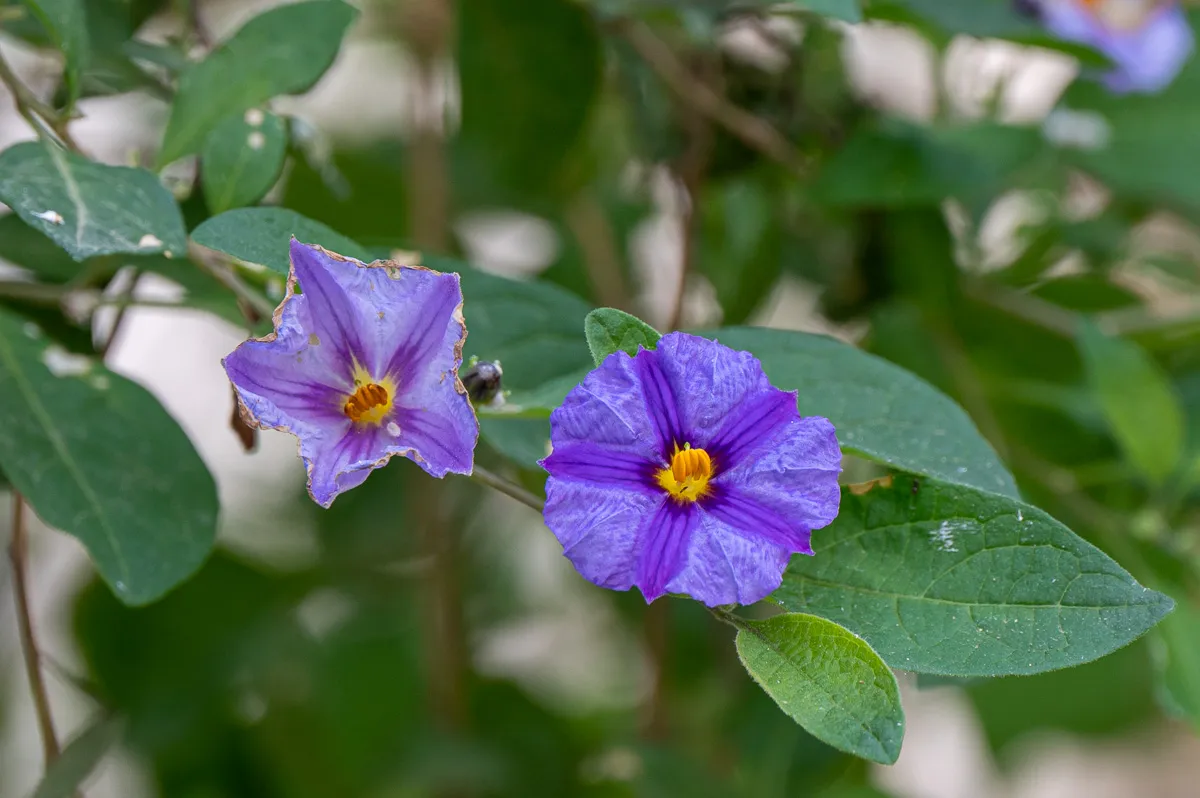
60 447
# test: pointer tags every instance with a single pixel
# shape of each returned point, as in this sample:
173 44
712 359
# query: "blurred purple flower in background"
683 470
1148 41
363 365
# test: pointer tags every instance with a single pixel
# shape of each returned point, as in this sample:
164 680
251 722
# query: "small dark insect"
482 380
916 486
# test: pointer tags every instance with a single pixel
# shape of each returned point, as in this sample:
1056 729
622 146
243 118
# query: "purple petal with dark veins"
722 566
662 405
384 317
757 420
663 542
598 527
608 409
590 462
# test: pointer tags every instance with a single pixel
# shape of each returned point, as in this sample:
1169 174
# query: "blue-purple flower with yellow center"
1148 41
683 470
363 365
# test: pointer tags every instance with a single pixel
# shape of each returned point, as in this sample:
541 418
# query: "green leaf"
1177 657
610 330
242 159
66 23
98 457
880 411
526 95
282 51
828 680
30 249
1138 400
262 236
78 760
845 10
88 208
950 580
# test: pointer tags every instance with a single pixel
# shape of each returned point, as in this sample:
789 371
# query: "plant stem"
228 278
17 553
585 217
45 121
754 132
512 490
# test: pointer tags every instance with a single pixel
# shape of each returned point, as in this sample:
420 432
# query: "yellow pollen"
687 477
369 404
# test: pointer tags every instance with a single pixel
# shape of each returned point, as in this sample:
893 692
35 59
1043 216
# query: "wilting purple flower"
362 365
1148 41
682 470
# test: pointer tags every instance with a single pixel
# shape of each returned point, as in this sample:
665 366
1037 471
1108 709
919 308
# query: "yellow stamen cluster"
688 476
369 404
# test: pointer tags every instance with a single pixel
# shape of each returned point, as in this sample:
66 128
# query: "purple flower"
1148 41
682 470
362 365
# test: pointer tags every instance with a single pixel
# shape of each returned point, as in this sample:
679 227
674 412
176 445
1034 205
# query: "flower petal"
333 287
589 462
336 465
794 475
440 435
661 402
710 381
1146 58
608 409
722 566
755 521
598 528
758 420
663 542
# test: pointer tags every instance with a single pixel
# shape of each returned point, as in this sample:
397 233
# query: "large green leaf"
946 579
97 456
88 208
526 94
1138 400
609 330
282 51
828 680
262 236
66 23
880 411
242 159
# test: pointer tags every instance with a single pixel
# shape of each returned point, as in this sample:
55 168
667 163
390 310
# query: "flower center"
688 476
369 404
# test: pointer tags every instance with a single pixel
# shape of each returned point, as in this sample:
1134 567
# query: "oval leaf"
261 235
97 456
242 159
829 681
880 410
1138 401
88 208
950 580
610 330
282 51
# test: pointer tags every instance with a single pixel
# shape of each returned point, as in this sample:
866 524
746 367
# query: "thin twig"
513 491
753 131
17 552
225 275
45 121
122 312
